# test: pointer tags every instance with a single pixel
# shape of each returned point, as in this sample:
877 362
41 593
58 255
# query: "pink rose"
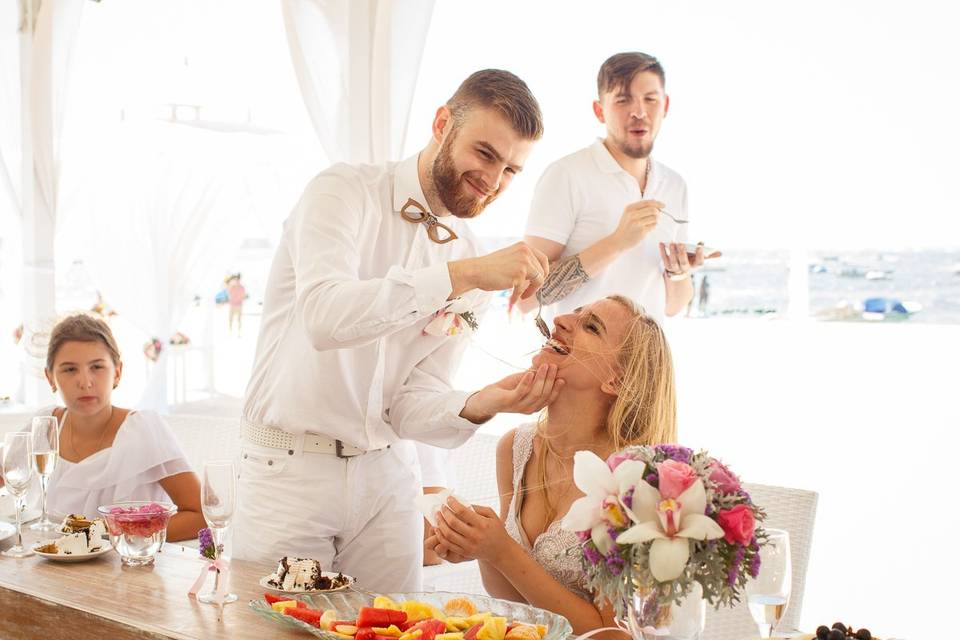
675 478
614 461
737 524
726 480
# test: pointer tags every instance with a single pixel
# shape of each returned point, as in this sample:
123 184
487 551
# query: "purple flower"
628 498
653 480
754 567
615 563
735 565
591 554
207 547
675 452
613 533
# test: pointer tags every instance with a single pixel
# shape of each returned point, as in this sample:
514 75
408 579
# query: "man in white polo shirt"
374 285
609 217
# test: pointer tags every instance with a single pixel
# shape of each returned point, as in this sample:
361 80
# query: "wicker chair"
475 466
204 438
790 509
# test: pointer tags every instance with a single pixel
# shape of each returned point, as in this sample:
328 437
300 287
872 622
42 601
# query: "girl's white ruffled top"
143 453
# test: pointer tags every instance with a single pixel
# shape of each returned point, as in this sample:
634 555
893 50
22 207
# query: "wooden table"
100 598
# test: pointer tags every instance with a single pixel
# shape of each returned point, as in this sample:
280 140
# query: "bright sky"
833 123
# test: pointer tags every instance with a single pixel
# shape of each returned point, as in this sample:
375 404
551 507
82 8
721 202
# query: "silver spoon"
539 321
674 219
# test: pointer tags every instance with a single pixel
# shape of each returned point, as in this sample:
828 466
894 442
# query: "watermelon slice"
305 614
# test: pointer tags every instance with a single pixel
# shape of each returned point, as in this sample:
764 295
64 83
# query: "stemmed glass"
45 432
769 592
16 477
218 497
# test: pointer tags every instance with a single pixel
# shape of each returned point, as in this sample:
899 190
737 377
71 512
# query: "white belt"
312 442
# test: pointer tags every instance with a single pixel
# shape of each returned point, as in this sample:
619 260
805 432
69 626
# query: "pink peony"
737 524
675 478
726 480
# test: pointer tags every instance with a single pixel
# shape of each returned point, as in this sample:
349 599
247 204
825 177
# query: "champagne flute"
218 497
17 472
769 592
45 431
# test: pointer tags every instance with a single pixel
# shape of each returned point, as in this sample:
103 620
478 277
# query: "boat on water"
878 274
878 309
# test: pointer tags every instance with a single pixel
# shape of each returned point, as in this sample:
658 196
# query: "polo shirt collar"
608 164
605 161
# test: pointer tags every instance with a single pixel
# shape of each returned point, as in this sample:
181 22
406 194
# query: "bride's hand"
472 532
442 549
526 392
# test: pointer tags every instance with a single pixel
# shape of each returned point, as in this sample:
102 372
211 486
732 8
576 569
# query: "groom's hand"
526 392
518 267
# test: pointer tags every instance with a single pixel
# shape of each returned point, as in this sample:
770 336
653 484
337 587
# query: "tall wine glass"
769 592
218 498
45 431
17 472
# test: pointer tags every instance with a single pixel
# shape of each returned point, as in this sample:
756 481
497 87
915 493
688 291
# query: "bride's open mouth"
558 346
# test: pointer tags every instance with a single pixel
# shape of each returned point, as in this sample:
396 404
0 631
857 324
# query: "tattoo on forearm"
565 277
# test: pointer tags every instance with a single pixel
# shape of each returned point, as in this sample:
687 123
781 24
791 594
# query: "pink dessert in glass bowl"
137 529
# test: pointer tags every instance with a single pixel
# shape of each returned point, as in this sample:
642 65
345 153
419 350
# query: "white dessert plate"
325 574
71 557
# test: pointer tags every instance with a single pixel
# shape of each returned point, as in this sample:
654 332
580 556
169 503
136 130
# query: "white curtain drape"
162 229
31 113
357 63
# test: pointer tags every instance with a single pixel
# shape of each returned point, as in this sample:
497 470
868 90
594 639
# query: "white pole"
37 275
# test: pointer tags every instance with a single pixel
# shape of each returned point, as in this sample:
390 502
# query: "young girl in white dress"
617 390
109 454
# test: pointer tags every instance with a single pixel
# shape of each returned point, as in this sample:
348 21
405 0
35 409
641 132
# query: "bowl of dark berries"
840 631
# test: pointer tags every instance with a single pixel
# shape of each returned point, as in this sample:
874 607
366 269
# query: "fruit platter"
359 615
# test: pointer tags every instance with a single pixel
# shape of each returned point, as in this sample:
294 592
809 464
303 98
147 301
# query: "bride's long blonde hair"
645 409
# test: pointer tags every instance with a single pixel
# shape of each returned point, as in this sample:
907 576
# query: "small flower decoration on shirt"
452 320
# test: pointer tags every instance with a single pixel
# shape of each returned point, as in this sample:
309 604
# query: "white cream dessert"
81 535
303 574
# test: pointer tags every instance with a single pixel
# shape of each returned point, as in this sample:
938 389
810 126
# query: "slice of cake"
303 574
81 535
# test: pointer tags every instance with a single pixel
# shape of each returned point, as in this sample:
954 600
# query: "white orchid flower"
671 524
602 506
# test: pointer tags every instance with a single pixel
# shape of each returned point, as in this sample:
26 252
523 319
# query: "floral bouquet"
213 553
179 339
664 521
152 349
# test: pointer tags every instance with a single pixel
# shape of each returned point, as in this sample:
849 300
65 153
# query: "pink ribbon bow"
221 565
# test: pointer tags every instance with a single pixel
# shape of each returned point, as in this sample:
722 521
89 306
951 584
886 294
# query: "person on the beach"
236 294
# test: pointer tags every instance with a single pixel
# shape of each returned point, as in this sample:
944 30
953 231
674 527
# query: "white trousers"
355 515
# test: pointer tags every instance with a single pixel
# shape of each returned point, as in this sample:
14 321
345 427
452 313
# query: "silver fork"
674 219
539 321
